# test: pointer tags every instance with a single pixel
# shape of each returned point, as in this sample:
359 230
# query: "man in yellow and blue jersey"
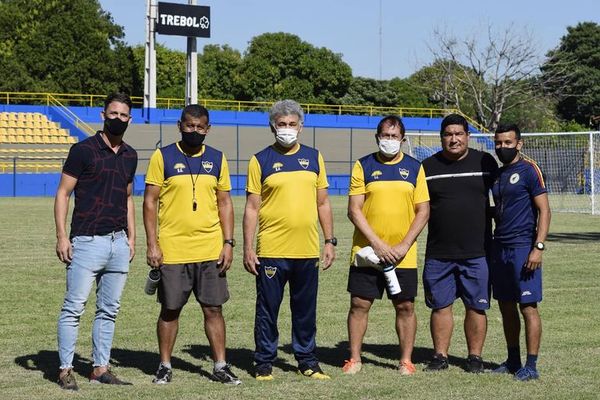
187 188
286 196
389 207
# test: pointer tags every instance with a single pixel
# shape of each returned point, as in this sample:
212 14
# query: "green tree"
281 65
61 46
170 71
372 92
579 98
217 72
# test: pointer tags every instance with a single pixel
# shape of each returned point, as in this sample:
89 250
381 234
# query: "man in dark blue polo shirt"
100 169
522 222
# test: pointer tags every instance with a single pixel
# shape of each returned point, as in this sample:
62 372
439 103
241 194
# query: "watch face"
540 246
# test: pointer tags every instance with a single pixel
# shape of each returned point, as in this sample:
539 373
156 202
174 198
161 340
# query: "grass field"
32 285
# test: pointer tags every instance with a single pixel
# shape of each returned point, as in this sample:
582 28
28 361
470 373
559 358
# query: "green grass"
32 285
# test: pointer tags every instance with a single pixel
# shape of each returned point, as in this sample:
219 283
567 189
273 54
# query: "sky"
352 28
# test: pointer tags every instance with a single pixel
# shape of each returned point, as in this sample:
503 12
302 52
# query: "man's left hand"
131 249
225 258
535 260
328 255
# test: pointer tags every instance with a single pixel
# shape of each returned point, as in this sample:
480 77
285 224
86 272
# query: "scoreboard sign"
183 20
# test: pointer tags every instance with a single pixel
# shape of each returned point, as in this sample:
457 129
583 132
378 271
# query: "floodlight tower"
191 78
150 60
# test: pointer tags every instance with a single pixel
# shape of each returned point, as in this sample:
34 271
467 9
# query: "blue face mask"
192 139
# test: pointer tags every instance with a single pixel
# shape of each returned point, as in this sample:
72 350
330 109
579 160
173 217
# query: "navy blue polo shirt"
101 189
516 214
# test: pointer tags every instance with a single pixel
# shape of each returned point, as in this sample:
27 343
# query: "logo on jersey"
303 162
270 272
179 167
376 174
404 173
514 178
526 293
482 301
277 166
207 165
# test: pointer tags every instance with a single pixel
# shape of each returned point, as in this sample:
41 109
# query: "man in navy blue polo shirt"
522 222
100 169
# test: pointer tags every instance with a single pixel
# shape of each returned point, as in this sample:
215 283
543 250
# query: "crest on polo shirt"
207 165
277 166
514 178
179 167
404 173
304 162
270 272
376 174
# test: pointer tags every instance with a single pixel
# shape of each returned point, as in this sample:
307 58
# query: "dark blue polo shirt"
101 189
516 214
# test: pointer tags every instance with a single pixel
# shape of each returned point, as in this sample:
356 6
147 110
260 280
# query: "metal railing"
95 100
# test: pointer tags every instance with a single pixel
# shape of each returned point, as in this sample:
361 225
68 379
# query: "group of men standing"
189 224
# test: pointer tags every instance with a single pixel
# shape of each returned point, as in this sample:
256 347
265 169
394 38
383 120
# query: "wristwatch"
540 246
230 242
333 241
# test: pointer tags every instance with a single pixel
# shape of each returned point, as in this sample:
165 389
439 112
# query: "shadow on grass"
46 361
573 237
238 357
373 353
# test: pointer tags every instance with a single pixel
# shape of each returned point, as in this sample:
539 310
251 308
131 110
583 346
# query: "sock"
514 356
166 364
531 361
219 365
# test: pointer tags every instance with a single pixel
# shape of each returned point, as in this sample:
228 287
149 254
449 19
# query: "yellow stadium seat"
62 139
54 139
3 123
36 132
30 139
46 139
12 116
20 138
72 139
3 138
3 116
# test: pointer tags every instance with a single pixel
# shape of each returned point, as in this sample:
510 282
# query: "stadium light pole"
191 75
150 60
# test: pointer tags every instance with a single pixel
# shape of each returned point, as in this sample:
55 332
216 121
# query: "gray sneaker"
225 376
107 378
68 381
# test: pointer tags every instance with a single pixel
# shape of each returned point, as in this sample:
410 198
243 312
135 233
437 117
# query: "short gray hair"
285 107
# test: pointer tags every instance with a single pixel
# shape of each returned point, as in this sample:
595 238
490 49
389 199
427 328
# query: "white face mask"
286 137
389 147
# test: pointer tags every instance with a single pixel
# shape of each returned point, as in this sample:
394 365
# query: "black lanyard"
194 180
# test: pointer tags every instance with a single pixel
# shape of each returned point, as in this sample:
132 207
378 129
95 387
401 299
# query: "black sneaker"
474 364
163 375
107 378
438 362
67 381
225 376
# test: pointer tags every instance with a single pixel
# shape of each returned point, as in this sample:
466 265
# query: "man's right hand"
64 251
250 261
154 256
386 253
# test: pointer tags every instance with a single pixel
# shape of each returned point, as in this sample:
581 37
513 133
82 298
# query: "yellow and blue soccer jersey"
185 235
391 190
287 184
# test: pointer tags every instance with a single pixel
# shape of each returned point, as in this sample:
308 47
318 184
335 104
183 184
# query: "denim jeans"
104 259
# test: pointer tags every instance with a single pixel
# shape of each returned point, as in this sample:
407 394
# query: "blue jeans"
104 259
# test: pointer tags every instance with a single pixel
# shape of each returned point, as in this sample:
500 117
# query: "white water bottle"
391 279
152 281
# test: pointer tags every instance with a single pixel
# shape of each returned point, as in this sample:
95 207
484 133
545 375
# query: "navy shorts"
445 280
511 281
370 283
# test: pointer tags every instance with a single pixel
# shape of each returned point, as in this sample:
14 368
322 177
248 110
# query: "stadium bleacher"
32 128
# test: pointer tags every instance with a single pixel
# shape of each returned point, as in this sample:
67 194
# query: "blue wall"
45 184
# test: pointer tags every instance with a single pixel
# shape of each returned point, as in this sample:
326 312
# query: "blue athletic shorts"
511 281
446 280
